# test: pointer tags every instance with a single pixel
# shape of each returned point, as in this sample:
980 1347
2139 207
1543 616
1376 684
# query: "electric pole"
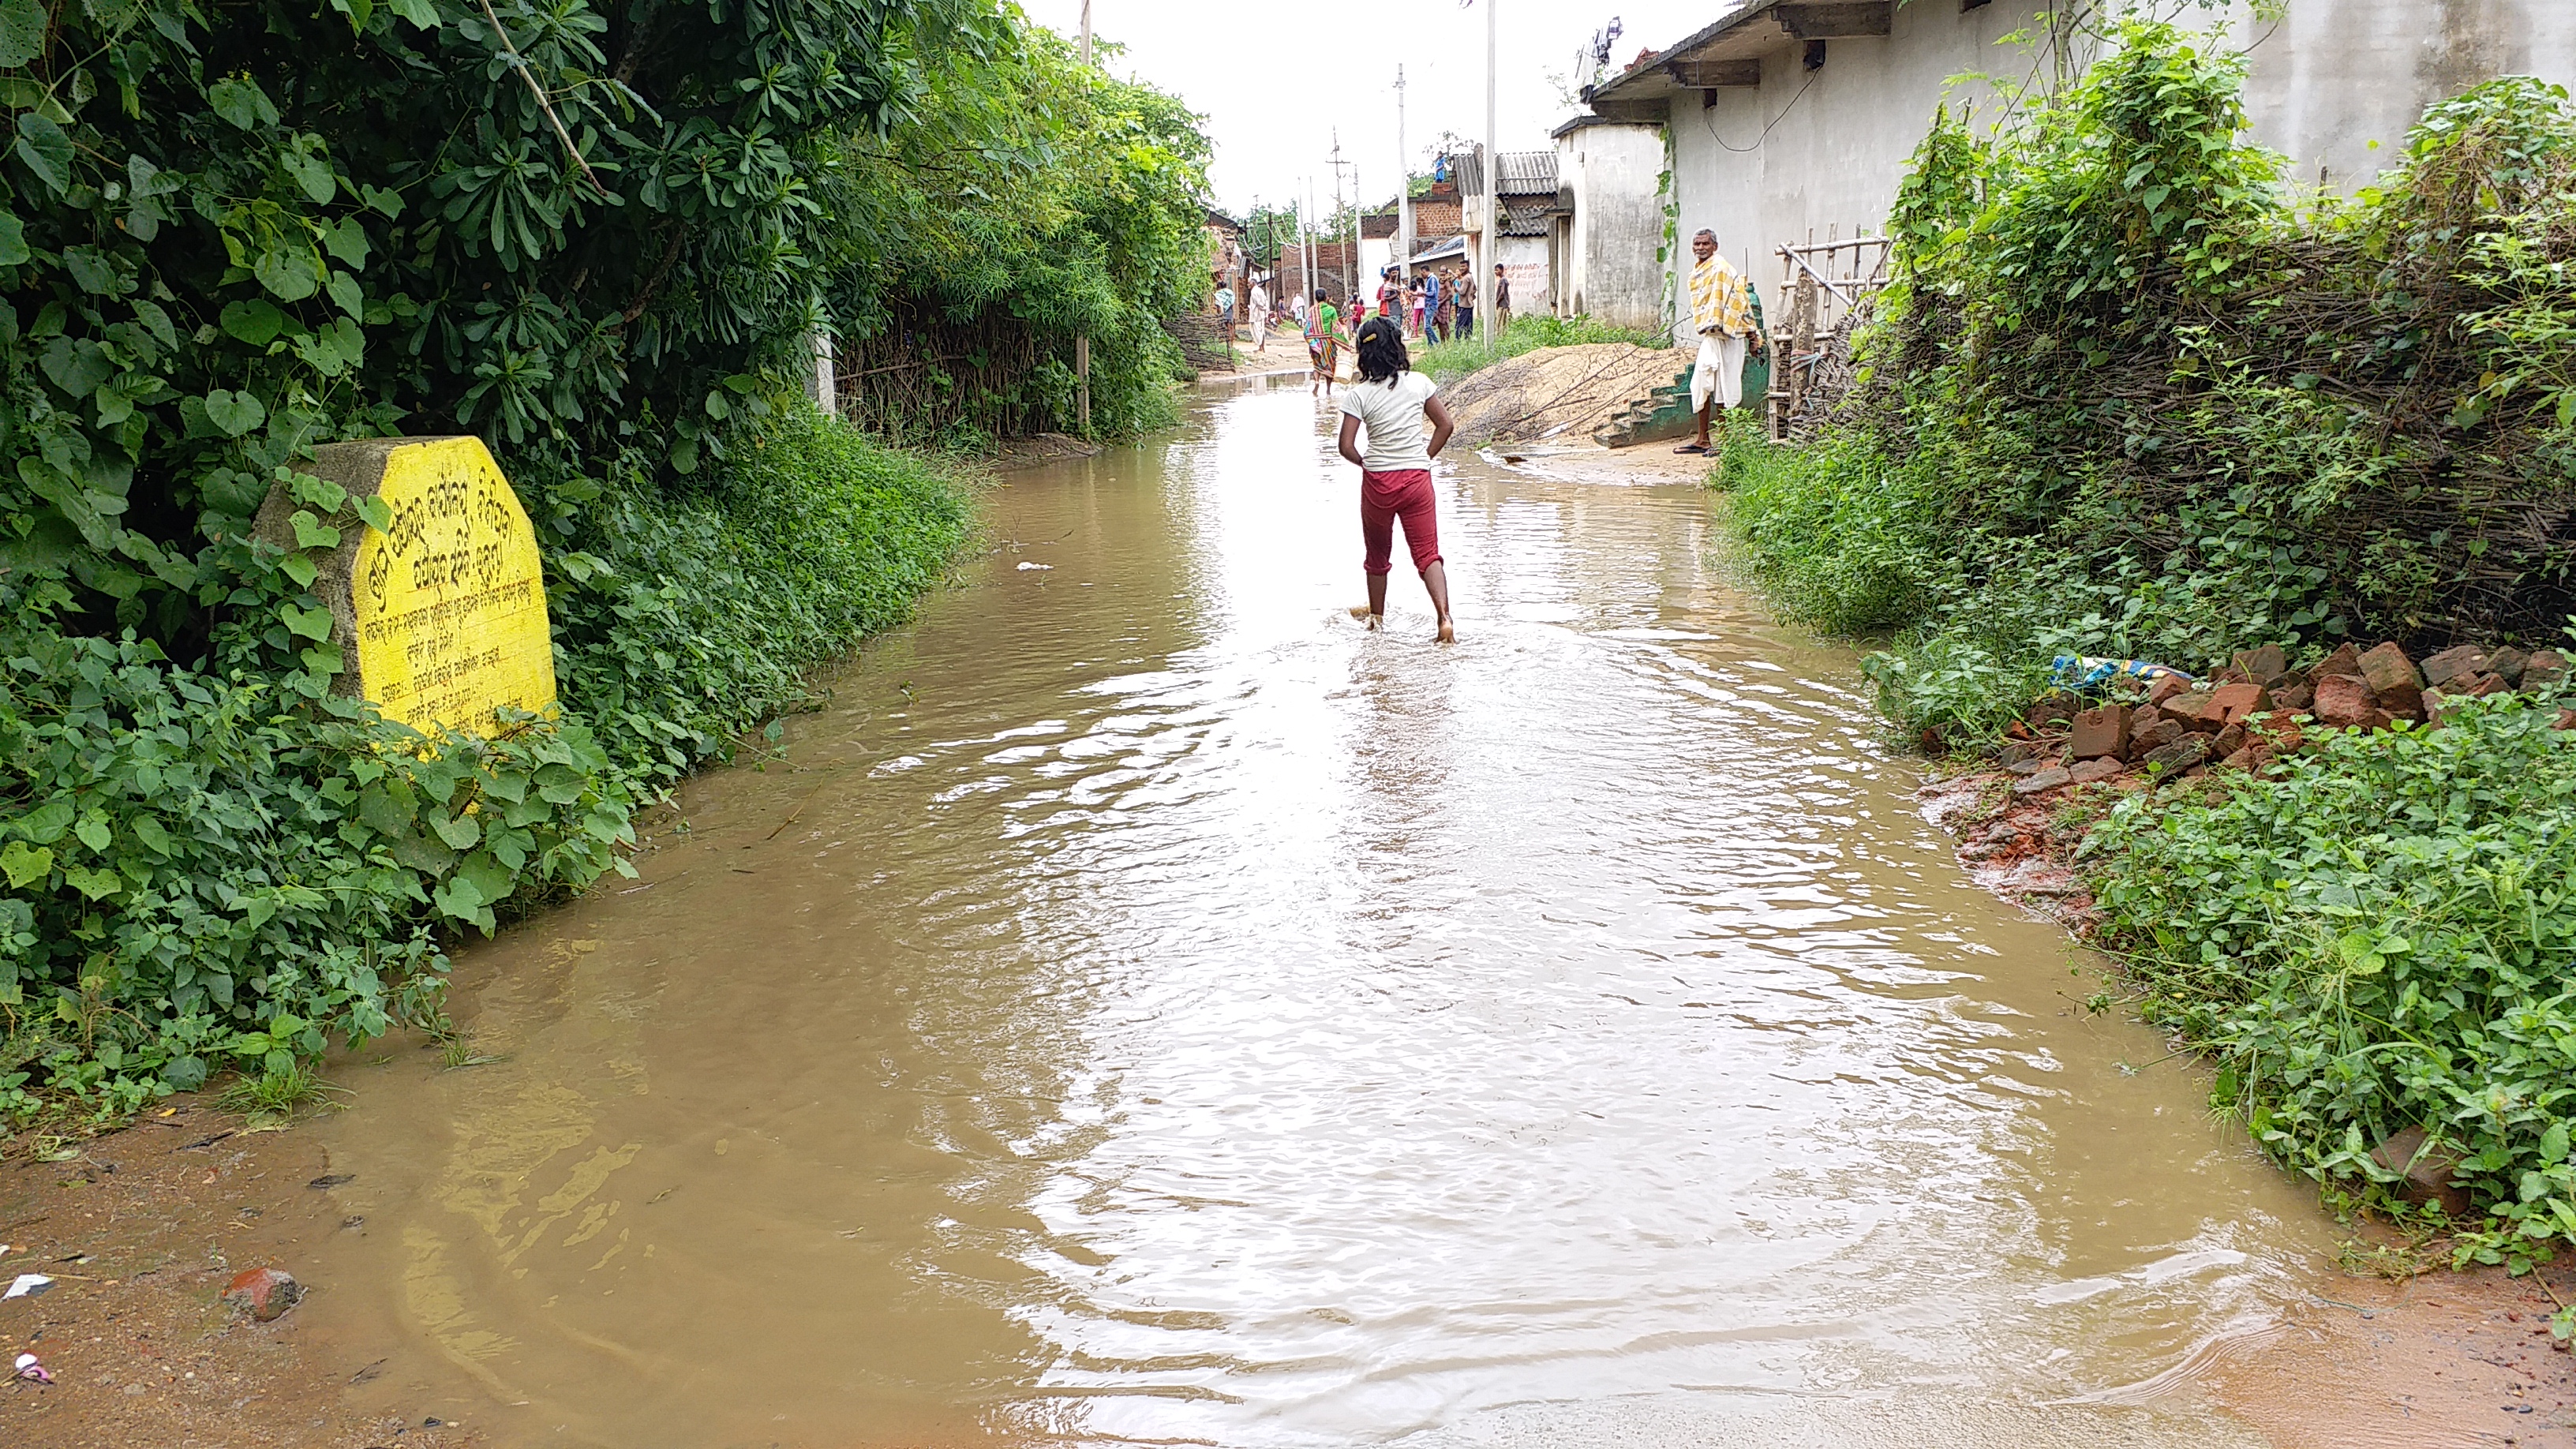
1082 344
1306 238
1403 183
1349 264
1493 193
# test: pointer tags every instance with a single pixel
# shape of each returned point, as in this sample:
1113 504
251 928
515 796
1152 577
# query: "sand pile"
1557 392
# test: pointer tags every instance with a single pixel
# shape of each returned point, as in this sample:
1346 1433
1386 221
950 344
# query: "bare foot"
1361 611
1448 632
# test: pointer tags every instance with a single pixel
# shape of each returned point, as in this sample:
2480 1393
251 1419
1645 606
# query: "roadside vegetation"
2134 396
600 237
1442 361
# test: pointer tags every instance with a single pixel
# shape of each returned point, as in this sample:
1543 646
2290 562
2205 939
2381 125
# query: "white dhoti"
1719 372
1260 331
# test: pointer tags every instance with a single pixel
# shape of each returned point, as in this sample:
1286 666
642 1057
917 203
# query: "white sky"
1272 107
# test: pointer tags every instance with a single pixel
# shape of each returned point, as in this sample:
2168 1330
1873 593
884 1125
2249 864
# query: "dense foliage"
2380 934
2130 398
604 237
2133 397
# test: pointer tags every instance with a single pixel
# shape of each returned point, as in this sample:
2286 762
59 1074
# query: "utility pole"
1350 264
1306 239
1352 258
1493 194
1082 344
1403 183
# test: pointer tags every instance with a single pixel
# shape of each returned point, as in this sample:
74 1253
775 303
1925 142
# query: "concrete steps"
1664 413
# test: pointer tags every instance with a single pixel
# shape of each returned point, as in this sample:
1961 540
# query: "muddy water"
1144 1007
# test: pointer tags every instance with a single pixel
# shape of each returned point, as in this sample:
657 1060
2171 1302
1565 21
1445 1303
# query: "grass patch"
1442 361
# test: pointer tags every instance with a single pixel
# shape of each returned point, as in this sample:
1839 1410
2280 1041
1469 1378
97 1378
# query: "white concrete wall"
1806 151
1525 264
2337 76
1618 223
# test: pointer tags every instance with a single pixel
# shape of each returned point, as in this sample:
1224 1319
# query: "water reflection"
1150 1008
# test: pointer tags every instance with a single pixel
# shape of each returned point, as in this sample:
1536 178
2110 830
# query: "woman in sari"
1323 341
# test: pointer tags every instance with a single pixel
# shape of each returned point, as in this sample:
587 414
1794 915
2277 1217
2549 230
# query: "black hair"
1319 295
1381 350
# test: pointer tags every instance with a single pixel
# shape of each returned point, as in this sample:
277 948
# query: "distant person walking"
1260 312
1390 293
1323 341
1393 402
1502 301
1224 305
1722 313
1464 284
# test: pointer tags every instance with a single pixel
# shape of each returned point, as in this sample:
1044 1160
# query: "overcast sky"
1272 106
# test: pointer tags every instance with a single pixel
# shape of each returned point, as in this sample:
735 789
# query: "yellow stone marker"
443 614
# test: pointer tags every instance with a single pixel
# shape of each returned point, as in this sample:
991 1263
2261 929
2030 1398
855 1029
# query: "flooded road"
1144 1007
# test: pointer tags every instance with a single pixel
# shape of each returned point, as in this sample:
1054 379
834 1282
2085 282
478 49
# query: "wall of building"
1525 267
1612 272
1808 153
2338 83
1820 152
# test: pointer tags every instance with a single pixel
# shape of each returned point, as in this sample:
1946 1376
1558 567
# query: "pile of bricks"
2256 710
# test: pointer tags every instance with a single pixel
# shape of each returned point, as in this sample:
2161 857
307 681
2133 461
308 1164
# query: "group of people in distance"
1440 307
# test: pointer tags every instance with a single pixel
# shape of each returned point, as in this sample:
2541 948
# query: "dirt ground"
140 1231
142 1228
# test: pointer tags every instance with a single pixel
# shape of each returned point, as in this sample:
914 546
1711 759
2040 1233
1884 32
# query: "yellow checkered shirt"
1719 299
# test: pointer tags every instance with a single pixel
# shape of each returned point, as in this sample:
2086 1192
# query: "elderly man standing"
1722 314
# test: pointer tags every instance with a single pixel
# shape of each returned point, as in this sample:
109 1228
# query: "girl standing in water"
1394 403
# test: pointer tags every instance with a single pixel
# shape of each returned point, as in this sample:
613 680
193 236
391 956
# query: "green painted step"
1664 413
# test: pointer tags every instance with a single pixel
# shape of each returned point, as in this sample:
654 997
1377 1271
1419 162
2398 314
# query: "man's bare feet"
1448 632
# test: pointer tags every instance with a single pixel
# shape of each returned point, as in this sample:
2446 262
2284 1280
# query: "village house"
1609 174
1449 219
1792 120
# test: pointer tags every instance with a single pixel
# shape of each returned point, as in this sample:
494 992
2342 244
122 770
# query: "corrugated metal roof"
1527 217
1525 173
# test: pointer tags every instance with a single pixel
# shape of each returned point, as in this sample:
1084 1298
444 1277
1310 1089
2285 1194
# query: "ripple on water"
1152 1007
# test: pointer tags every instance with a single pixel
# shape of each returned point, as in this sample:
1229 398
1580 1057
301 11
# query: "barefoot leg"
1436 579
1375 609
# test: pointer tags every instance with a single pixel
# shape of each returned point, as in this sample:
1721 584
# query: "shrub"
2380 933
204 870
2126 398
687 622
219 867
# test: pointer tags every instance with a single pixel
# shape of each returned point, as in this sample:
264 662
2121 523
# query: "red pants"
1385 497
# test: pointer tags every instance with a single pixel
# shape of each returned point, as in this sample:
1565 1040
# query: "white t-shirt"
1399 435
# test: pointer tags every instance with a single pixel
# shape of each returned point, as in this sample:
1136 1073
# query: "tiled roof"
1527 216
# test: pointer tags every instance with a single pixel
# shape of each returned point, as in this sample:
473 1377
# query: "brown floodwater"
1143 1007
